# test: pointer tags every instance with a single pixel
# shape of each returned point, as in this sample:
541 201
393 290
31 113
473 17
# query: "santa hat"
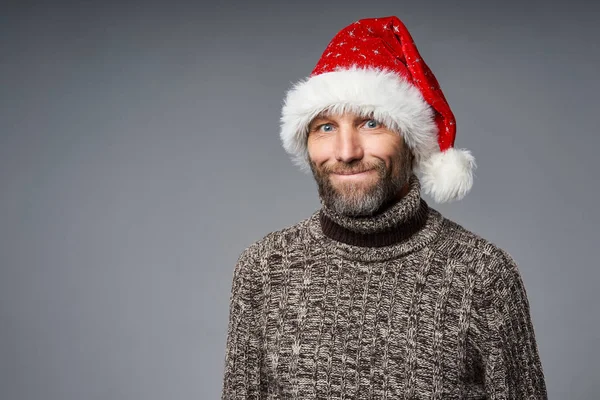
372 67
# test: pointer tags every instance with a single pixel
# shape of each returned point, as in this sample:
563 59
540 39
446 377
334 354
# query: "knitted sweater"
403 305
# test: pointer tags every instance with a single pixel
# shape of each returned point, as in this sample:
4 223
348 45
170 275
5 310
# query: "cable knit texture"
403 305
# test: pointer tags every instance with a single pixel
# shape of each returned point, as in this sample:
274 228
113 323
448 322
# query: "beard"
363 198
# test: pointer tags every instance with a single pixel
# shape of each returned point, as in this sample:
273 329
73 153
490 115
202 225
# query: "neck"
395 224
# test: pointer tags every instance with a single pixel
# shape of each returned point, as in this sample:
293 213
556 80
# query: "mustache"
350 169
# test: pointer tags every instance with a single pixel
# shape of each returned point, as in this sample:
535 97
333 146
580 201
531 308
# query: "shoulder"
464 246
497 277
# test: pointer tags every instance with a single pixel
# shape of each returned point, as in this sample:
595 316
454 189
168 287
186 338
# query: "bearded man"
377 295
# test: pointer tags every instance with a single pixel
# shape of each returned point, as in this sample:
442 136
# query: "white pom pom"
447 175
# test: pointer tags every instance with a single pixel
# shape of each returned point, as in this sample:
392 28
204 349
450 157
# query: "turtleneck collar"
406 225
388 227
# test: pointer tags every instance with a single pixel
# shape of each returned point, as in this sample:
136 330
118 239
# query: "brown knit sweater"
403 305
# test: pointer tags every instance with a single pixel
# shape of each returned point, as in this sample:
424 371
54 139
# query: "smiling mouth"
350 173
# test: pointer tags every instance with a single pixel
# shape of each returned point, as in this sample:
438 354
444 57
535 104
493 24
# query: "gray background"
139 155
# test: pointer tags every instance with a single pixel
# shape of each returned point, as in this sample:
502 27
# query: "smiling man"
377 295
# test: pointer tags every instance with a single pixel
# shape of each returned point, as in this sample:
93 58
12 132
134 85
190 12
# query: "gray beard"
355 200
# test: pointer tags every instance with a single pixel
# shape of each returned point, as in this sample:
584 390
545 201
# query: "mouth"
352 173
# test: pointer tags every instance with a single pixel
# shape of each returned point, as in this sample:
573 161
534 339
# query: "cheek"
385 150
319 151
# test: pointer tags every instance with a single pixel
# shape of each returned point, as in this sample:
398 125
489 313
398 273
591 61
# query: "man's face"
359 164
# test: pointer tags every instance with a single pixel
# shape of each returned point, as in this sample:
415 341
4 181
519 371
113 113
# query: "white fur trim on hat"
447 175
366 91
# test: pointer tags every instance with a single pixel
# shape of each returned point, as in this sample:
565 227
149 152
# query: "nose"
348 146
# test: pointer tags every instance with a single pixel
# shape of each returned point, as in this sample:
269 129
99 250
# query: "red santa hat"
372 67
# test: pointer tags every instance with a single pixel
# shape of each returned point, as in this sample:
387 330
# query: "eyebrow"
325 116
317 120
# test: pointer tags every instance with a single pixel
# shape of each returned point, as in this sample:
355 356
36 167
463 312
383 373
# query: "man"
377 295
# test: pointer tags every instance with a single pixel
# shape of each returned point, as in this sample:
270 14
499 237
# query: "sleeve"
511 361
243 347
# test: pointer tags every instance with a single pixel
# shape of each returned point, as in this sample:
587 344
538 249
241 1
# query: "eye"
372 124
325 128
